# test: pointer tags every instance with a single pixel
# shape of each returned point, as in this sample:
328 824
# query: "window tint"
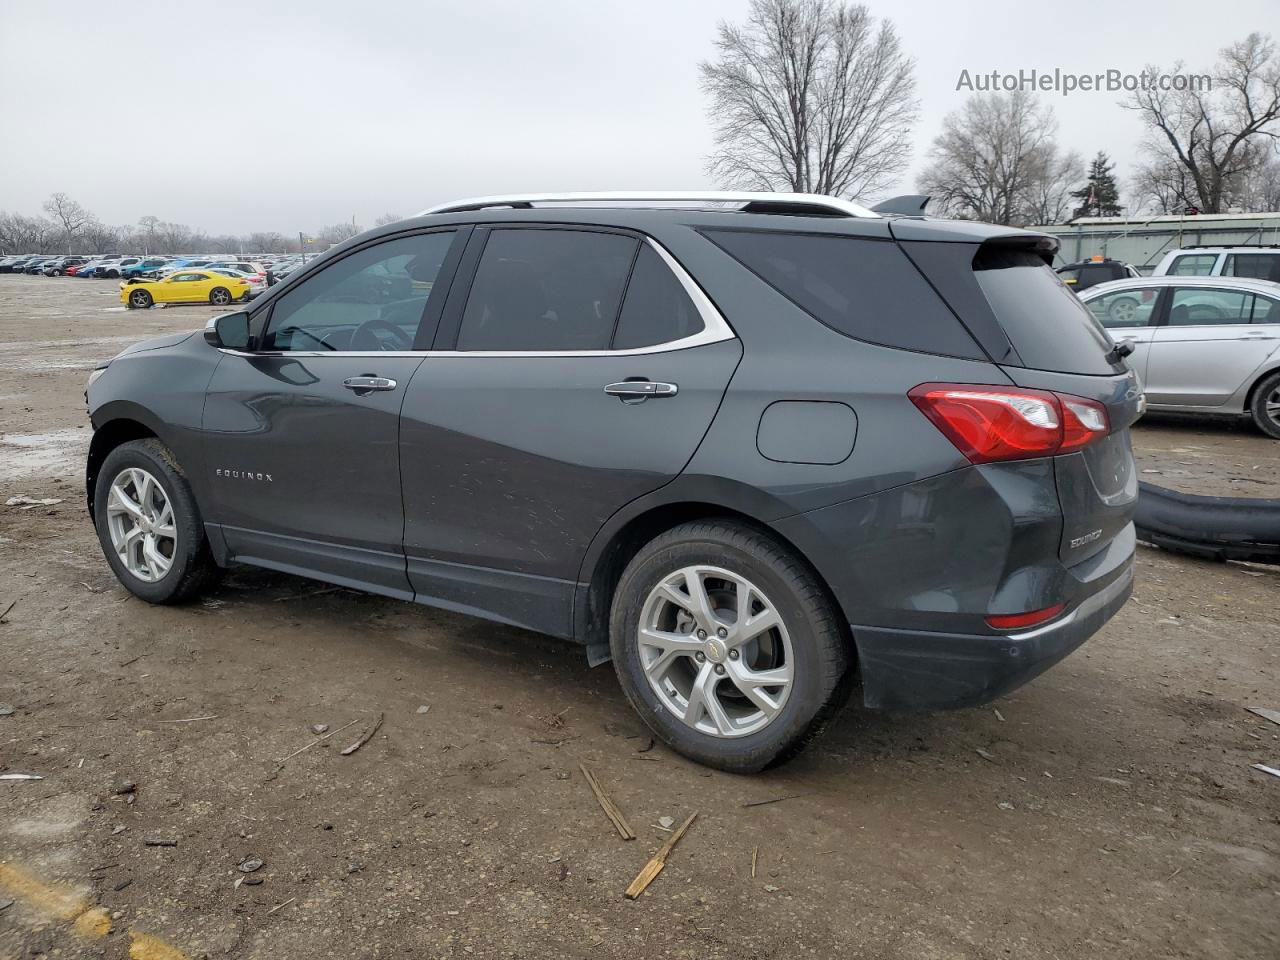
1192 306
656 309
1125 308
1260 266
1265 310
1046 323
546 290
1193 265
866 289
187 277
370 300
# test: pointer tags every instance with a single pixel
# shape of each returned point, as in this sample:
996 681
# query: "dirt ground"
1108 809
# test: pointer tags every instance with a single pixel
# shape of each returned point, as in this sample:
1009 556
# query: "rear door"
579 371
1206 347
302 433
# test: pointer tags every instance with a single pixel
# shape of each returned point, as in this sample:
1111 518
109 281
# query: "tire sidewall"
1258 409
144 300
187 523
743 754
213 296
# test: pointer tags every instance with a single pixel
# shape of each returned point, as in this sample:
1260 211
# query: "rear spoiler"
907 205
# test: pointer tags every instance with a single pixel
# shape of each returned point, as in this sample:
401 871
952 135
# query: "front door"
580 373
302 433
1207 347
1130 315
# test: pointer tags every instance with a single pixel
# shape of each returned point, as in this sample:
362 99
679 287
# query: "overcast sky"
234 117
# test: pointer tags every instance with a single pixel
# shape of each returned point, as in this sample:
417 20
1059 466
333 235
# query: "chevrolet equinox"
754 448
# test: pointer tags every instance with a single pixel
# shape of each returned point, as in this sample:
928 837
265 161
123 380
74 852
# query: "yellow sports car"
184 286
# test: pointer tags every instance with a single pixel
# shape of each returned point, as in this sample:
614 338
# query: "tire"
220 296
139 300
113 274
191 568
56 273
811 640
1264 407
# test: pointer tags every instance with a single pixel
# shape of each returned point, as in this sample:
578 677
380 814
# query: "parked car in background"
37 265
14 264
1255 262
257 282
59 267
115 269
147 266
184 286
249 267
91 268
737 450
1086 273
1201 344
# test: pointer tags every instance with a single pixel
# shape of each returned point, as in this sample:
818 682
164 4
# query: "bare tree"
68 214
337 232
1163 187
148 226
1259 189
268 242
99 238
22 234
386 218
996 160
1216 135
812 96
173 237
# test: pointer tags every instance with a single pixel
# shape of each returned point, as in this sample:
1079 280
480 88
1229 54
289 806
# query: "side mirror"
229 331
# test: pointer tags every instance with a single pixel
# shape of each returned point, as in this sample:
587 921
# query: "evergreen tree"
1099 197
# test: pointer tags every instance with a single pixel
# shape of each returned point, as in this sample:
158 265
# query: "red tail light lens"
990 424
1020 621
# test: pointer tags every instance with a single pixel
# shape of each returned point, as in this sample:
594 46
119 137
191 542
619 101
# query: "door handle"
638 391
367 383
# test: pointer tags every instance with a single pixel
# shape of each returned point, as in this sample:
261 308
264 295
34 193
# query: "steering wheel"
398 339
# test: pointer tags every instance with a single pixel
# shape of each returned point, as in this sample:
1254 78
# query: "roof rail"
795 204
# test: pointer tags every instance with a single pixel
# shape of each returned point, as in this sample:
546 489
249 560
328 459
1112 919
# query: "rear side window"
656 309
1198 306
1046 323
865 289
1193 265
1265 310
546 290
1259 266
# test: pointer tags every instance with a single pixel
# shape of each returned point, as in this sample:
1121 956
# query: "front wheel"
219 296
139 299
148 524
113 274
728 645
1265 408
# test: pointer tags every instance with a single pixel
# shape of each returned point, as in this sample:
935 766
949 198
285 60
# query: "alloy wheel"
1271 406
716 651
138 298
141 524
221 296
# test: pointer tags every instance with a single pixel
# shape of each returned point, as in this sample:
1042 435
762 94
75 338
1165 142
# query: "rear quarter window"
1043 319
863 288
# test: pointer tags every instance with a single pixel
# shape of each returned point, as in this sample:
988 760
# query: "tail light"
990 423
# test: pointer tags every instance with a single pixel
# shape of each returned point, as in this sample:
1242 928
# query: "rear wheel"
148 524
113 274
140 299
1265 408
219 296
728 646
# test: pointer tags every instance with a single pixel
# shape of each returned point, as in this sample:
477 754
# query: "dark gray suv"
754 448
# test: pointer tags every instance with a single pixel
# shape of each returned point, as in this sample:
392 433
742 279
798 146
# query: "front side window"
187 277
546 290
1193 265
1125 308
372 299
1198 306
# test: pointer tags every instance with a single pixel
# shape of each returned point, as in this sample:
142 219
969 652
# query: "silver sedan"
1201 344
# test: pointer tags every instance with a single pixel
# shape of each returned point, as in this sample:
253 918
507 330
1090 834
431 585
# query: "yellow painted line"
87 921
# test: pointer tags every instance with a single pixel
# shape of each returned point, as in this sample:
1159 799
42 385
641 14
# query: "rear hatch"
1042 337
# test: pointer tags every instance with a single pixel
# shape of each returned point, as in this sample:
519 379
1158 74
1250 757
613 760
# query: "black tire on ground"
220 296
113 274
56 273
193 569
139 300
822 665
1267 394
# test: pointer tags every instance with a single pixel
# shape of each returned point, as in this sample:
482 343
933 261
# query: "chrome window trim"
715 328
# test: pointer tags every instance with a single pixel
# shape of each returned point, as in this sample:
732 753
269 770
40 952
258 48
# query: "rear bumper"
920 670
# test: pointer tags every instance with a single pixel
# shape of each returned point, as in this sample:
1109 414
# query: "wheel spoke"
756 685
670 647
119 502
699 602
703 700
157 562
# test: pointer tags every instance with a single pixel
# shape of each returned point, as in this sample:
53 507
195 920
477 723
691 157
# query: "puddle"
52 454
